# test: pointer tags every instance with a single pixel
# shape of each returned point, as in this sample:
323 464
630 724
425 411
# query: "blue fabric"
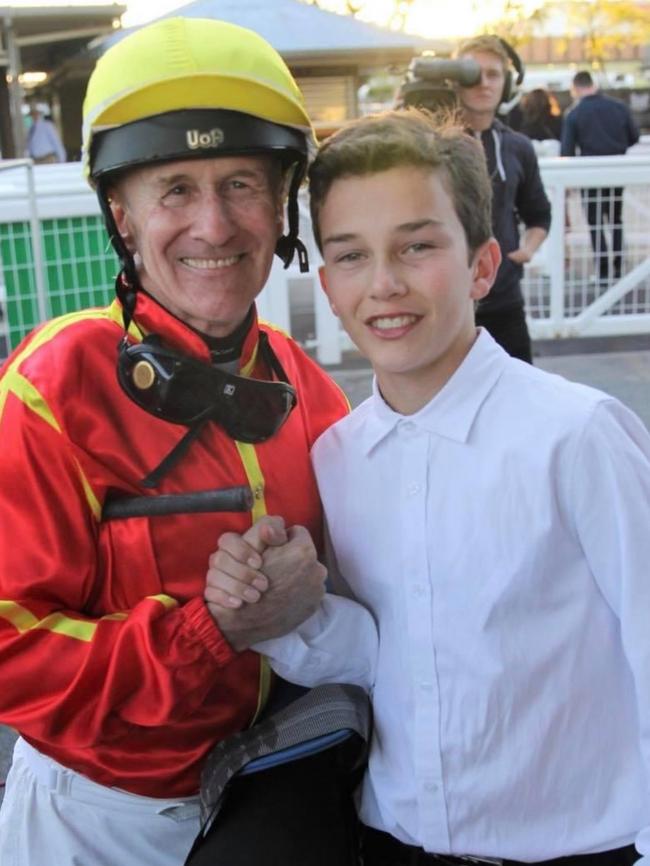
294 753
598 126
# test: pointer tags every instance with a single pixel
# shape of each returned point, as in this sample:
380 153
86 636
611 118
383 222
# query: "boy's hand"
234 575
296 585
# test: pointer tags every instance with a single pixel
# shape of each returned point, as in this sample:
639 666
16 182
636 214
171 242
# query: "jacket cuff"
205 630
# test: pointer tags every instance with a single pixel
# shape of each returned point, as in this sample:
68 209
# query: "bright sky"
441 18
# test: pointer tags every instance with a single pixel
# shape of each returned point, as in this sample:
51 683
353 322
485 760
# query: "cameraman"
517 191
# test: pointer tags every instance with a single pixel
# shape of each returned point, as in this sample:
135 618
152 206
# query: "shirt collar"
452 411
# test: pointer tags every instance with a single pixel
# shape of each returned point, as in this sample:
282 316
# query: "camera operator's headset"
514 76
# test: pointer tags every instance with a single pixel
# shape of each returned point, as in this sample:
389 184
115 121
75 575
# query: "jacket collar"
151 317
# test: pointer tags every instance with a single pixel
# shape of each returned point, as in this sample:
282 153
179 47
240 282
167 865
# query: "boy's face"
397 273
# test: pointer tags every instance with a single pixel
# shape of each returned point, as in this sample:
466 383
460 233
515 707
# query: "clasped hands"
264 583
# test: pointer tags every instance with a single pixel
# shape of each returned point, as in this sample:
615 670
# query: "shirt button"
418 589
413 488
426 687
430 787
407 427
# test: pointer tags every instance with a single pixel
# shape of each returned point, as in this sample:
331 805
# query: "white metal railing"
24 168
562 294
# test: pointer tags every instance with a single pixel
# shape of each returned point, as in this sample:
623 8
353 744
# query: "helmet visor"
193 134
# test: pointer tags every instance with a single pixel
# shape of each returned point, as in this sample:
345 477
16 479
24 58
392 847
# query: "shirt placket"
418 586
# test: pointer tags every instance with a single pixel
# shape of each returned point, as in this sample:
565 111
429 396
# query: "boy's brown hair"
409 137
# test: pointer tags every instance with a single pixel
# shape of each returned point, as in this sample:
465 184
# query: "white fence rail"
563 294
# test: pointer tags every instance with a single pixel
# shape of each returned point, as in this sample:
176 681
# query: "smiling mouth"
211 264
386 323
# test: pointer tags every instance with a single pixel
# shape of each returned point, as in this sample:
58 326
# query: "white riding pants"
52 816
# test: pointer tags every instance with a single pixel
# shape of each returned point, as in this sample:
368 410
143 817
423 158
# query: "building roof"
299 30
45 35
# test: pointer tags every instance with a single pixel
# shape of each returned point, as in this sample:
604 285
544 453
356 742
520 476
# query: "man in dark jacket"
599 126
518 194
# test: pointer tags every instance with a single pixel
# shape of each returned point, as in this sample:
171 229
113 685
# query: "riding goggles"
183 390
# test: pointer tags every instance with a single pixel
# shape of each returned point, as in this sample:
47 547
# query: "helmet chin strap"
290 243
127 282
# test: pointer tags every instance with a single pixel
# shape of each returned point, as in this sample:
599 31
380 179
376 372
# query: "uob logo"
197 139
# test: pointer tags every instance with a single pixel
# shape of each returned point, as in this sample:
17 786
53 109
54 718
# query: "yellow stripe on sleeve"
166 600
23 620
30 396
15 383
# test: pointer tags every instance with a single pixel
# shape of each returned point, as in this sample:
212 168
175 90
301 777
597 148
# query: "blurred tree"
399 16
603 27
518 22
606 27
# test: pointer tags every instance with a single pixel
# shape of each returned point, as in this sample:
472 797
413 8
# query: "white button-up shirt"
501 539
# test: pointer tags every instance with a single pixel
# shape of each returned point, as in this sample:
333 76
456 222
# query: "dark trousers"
605 205
382 849
298 814
509 329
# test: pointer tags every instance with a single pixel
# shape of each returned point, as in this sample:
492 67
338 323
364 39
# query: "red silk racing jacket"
109 660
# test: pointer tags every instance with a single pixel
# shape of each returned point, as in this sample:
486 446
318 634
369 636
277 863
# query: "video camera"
431 81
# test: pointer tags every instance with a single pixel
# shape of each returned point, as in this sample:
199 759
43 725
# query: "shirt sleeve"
68 676
610 495
337 644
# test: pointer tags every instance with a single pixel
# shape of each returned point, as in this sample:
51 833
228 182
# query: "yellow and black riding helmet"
186 88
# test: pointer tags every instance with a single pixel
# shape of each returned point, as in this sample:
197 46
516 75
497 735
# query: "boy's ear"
322 276
485 264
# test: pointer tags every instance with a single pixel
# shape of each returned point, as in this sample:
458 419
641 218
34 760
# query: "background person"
43 141
598 125
541 115
118 675
518 194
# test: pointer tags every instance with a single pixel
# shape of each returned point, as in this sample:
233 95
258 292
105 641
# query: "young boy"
494 520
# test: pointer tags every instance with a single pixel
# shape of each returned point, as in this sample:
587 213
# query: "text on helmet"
197 139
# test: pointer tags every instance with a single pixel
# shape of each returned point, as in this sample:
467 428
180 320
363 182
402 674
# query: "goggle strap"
156 475
270 358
